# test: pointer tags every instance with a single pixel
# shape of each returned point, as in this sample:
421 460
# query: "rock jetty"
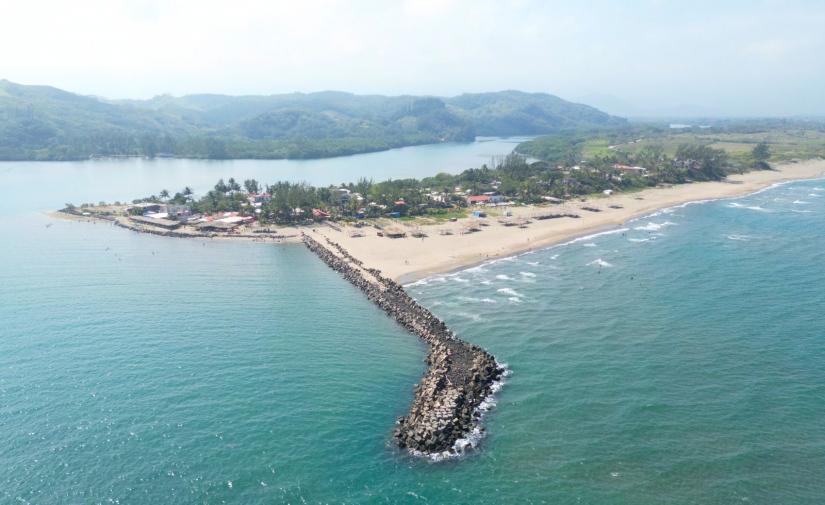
460 376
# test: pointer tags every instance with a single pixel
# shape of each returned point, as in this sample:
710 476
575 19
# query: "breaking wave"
651 226
600 263
510 292
737 205
472 439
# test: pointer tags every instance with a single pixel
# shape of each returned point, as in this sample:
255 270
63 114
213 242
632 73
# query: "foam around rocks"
450 399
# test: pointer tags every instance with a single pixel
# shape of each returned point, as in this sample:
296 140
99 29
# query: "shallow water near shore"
679 361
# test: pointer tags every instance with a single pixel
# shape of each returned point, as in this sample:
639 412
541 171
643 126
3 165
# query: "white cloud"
647 52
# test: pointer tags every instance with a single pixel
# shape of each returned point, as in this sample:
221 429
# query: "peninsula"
380 235
406 250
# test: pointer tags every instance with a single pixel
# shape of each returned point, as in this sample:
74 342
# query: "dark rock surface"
460 375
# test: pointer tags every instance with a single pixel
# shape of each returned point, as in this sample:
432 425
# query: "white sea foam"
651 226
639 240
737 205
475 300
741 238
468 315
503 277
472 439
802 211
815 195
554 257
587 238
533 263
667 210
600 263
527 274
801 202
509 291
515 299
460 279
589 244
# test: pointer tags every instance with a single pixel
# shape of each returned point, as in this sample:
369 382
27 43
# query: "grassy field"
596 147
784 144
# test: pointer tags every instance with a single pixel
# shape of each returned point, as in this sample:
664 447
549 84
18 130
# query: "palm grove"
514 177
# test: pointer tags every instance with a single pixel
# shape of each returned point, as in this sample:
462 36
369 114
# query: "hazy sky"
646 56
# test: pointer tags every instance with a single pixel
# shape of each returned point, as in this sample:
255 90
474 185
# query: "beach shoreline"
407 260
447 248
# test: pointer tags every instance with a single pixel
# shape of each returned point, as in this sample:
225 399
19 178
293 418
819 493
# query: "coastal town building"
160 222
478 199
630 169
144 207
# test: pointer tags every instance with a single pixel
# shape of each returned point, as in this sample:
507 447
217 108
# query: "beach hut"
394 232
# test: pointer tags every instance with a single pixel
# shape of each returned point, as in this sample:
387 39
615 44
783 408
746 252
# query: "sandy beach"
408 259
447 247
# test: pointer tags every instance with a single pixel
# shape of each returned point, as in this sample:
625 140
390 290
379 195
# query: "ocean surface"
678 360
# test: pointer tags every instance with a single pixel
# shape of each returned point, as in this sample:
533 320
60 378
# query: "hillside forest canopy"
45 123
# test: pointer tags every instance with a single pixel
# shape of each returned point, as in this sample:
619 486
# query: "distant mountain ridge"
46 123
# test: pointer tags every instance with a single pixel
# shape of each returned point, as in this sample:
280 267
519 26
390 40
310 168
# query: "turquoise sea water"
681 361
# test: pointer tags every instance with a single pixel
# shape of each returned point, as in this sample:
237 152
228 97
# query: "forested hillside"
45 123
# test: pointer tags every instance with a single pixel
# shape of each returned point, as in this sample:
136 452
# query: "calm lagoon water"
680 360
46 185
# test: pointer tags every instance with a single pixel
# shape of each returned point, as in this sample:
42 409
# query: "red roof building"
478 199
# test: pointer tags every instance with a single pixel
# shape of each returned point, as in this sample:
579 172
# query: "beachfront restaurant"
216 226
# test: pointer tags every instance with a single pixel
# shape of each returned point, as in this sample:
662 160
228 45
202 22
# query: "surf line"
449 400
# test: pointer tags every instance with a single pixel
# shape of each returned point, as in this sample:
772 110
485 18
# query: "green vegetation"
445 196
44 123
564 165
751 143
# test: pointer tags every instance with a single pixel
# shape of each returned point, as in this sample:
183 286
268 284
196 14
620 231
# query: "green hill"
45 123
